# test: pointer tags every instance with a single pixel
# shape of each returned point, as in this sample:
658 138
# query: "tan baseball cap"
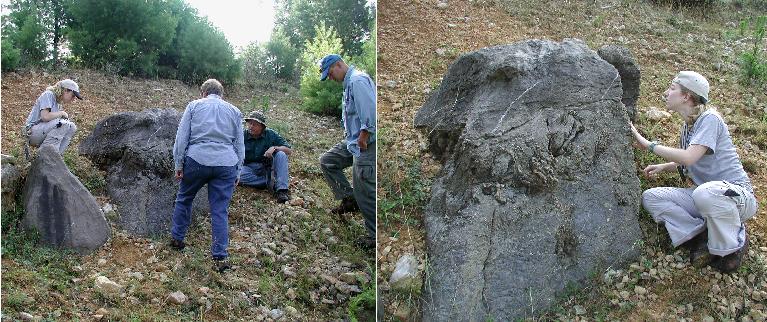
71 85
694 82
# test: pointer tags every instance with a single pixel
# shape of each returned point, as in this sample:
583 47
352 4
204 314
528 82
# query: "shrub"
320 97
753 62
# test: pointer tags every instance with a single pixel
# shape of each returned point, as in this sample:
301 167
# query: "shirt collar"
213 96
348 76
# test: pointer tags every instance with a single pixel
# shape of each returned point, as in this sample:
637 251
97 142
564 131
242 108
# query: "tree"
367 61
205 53
350 18
124 36
281 56
37 29
321 97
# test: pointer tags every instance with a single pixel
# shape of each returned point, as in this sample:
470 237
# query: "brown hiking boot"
698 246
730 263
176 244
348 204
221 265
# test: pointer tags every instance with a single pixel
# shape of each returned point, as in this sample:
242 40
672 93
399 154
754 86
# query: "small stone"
137 275
656 115
391 84
348 278
276 314
204 290
640 290
101 262
177 298
291 294
708 318
625 294
332 240
405 276
442 5
24 316
441 52
580 310
291 311
105 285
298 202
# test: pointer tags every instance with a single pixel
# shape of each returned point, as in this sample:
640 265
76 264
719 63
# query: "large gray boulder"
136 151
59 207
622 59
538 187
11 176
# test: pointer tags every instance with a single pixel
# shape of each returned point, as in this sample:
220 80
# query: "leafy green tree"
36 28
10 56
281 56
320 97
124 36
255 68
367 61
350 18
205 53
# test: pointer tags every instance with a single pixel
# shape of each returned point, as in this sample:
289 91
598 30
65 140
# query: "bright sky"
242 22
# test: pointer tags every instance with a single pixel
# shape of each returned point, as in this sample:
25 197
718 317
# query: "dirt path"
295 260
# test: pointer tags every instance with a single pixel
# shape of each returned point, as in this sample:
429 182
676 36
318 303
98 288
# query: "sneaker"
177 244
283 195
221 265
348 204
730 263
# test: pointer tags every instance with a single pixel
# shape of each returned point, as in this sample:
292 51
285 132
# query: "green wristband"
652 146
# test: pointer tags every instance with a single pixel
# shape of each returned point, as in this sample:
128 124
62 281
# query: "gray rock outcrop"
538 187
10 181
136 151
59 207
622 59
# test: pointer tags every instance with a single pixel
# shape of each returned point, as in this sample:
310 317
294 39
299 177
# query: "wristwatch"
652 145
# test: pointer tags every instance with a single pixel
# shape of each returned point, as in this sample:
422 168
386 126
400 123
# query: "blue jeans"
220 181
259 175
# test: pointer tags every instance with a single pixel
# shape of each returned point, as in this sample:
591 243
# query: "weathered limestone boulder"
538 187
59 207
136 151
622 59
10 181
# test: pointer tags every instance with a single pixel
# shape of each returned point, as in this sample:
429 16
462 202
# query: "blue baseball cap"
325 64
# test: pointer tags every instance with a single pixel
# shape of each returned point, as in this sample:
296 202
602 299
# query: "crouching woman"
708 217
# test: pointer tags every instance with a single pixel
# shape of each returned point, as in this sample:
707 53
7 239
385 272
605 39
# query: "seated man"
266 158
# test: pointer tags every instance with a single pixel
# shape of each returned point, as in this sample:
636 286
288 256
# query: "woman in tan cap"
48 123
708 217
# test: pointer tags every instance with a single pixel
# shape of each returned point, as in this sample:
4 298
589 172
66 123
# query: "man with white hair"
209 150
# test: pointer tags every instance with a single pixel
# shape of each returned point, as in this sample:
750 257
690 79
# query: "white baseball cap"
694 82
71 85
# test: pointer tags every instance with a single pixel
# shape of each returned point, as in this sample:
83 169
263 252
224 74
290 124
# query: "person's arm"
240 147
685 157
365 103
46 115
279 144
182 142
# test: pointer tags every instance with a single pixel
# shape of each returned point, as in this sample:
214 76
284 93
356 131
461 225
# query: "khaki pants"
687 211
58 132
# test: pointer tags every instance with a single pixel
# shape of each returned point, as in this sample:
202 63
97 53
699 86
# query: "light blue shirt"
721 162
358 108
210 132
46 100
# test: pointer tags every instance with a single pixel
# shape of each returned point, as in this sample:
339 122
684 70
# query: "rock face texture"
10 181
136 151
538 187
622 59
60 208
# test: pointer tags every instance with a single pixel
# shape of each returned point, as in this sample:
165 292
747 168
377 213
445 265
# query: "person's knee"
72 128
705 196
280 155
326 161
651 197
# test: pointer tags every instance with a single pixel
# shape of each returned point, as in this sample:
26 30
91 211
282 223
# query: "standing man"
266 158
358 148
209 149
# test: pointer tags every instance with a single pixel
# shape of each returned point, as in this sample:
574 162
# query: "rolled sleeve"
239 146
365 103
182 139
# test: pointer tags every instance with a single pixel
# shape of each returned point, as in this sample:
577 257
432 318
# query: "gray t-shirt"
46 100
721 161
